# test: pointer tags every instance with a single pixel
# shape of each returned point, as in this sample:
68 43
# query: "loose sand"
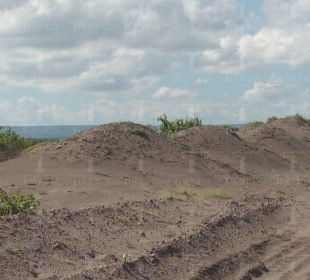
124 202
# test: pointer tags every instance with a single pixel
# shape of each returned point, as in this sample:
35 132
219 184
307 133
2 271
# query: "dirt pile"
116 141
227 147
211 138
122 161
288 137
100 242
132 145
286 128
187 229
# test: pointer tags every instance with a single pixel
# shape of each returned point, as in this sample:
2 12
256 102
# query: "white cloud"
29 111
275 87
284 37
126 48
97 46
287 13
107 46
202 81
274 45
174 92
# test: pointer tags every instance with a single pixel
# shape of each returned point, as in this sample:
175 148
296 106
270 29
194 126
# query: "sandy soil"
140 205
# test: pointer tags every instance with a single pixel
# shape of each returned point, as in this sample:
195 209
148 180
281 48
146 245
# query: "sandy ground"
123 202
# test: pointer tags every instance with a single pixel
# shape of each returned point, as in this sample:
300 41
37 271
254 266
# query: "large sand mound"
286 128
225 146
122 161
191 232
116 162
288 137
116 141
285 136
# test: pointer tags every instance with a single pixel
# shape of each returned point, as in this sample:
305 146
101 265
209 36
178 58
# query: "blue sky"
92 62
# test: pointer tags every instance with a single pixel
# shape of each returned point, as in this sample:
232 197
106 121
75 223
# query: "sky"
94 61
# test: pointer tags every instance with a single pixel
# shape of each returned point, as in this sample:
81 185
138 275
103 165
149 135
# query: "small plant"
12 144
151 213
177 194
137 132
35 146
170 127
214 193
300 118
18 203
253 124
121 218
19 253
230 128
125 257
271 119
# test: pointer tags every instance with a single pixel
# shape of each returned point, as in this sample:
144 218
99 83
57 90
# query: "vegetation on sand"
253 124
230 128
11 204
300 118
170 127
271 119
122 219
12 144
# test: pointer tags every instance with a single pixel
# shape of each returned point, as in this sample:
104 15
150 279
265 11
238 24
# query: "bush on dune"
300 118
170 127
19 203
271 119
12 144
230 128
253 124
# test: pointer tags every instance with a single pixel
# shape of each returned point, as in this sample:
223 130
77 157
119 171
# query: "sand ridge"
141 205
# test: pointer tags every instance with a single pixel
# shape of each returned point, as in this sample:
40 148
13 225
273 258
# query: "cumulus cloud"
174 92
28 111
275 87
283 39
129 48
96 46
273 45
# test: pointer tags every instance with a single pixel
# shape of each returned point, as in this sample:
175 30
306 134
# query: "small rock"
142 234
58 147
34 274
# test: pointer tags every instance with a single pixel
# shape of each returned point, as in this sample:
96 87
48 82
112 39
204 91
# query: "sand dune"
147 206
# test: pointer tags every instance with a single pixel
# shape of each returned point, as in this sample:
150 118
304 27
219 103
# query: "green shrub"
271 119
300 118
170 127
18 203
35 146
12 144
253 124
230 128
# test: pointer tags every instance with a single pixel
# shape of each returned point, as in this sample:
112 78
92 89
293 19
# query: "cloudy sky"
96 61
